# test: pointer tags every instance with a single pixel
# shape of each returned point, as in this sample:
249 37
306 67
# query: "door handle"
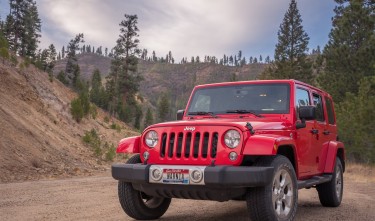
314 131
326 132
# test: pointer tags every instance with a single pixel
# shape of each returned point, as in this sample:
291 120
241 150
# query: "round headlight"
151 138
232 138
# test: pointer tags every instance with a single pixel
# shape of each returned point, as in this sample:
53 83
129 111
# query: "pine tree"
239 55
267 60
22 27
170 57
138 117
357 111
4 53
149 119
243 61
163 107
291 49
123 80
30 39
63 52
61 76
197 59
231 60
154 58
43 60
349 55
97 93
51 59
72 69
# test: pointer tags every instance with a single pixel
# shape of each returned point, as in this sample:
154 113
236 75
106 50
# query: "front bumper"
219 176
221 183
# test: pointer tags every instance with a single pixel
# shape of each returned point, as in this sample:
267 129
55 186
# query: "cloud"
186 27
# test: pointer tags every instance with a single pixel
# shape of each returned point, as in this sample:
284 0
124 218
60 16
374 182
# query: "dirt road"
95 198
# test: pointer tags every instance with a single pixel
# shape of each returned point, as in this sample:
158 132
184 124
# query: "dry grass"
360 172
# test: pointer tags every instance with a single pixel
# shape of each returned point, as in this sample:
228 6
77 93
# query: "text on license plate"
176 176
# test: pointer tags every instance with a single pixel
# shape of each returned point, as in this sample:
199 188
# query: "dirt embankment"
38 137
95 198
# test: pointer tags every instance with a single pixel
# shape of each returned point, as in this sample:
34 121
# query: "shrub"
76 109
92 138
111 153
93 111
106 119
13 59
4 53
115 126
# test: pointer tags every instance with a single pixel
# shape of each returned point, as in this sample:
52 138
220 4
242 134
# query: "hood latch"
251 129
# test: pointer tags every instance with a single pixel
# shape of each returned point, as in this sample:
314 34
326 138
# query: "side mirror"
305 113
180 114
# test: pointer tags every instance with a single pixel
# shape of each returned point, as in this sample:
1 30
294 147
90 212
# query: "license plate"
176 176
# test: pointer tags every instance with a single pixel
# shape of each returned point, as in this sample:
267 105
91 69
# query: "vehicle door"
304 135
329 132
320 126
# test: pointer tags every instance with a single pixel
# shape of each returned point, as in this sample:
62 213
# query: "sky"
185 27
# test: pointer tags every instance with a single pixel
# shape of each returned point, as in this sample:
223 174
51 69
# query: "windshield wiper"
244 112
203 113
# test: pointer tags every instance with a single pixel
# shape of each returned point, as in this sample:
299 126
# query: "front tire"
279 199
330 193
137 204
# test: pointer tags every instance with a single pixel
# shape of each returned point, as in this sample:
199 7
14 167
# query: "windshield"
246 98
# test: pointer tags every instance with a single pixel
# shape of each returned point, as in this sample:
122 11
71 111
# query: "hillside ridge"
176 80
38 137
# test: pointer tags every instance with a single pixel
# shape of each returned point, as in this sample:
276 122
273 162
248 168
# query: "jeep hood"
240 123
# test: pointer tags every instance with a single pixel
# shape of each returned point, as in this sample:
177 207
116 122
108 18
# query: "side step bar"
315 180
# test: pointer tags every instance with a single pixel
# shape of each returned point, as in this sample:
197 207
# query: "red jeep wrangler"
258 141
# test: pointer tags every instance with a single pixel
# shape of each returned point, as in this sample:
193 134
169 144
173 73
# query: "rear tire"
279 199
137 204
330 193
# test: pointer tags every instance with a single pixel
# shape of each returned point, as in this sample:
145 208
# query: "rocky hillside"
179 79
38 137
88 62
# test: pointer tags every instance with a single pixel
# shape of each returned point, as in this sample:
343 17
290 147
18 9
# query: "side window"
329 106
317 99
302 97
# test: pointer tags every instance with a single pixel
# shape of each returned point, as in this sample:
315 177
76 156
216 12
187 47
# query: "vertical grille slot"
215 140
206 138
196 144
171 144
187 144
163 144
179 144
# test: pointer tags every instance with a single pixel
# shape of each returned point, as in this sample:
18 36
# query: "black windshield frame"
220 99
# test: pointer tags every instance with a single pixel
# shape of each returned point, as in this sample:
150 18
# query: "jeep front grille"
189 145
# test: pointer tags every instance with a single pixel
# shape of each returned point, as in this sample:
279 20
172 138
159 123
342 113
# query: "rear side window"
317 99
330 113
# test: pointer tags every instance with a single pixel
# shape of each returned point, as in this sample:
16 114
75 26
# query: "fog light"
196 176
156 174
233 156
146 155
